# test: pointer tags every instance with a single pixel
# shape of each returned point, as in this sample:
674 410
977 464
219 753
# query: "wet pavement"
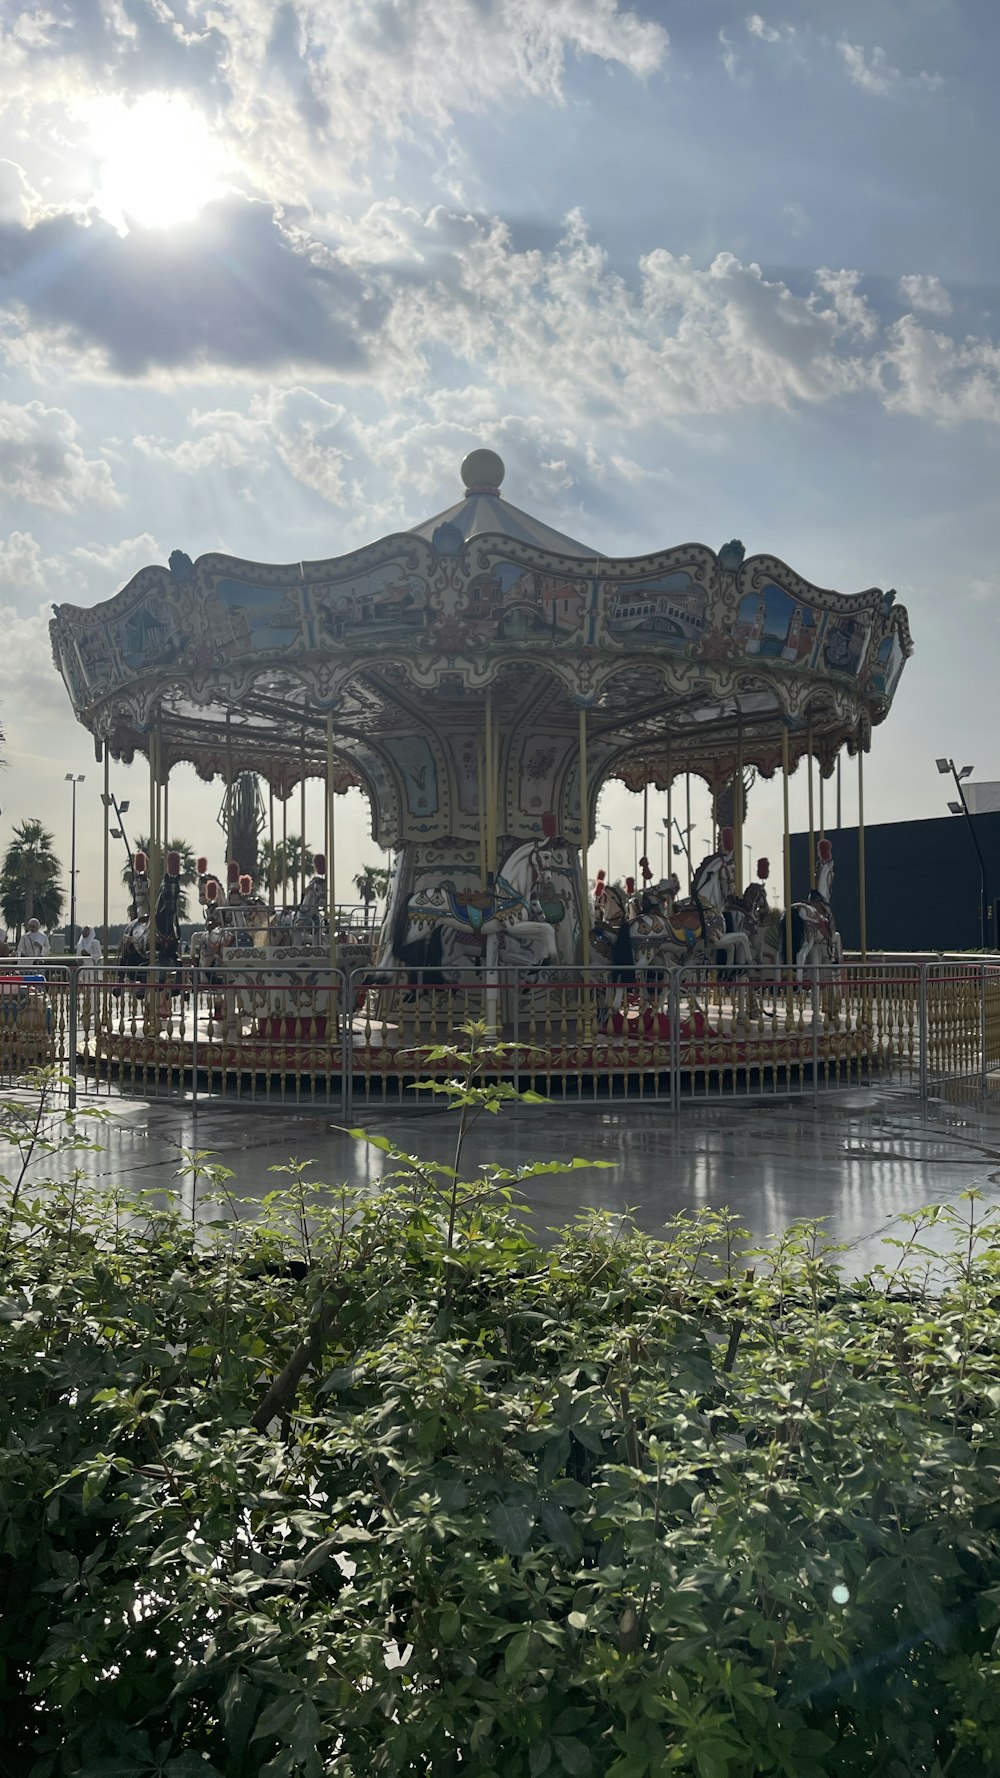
861 1158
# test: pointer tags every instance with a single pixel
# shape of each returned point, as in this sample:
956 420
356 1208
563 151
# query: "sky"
268 272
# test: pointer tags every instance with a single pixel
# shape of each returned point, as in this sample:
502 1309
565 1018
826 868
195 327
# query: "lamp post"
607 828
73 778
945 766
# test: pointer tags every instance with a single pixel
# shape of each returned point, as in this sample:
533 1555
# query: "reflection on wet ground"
860 1159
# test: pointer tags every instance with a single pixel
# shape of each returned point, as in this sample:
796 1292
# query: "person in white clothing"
33 942
88 946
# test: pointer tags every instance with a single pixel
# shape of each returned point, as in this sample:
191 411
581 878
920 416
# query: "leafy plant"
357 1484
29 879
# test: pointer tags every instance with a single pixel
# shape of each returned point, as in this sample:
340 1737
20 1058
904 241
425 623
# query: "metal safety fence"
269 1033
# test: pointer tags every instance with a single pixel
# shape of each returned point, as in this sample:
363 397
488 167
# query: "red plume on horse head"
647 874
319 864
139 862
600 886
201 865
630 885
727 839
246 885
173 864
233 873
549 825
763 869
824 852
212 889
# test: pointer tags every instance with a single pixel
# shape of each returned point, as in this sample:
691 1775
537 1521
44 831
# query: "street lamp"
607 828
73 778
945 766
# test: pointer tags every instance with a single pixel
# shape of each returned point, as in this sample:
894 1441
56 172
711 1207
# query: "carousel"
480 677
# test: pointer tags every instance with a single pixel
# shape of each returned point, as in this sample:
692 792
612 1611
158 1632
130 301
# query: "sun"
159 163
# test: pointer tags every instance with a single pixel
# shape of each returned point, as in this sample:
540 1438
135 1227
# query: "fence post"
983 1070
922 1029
516 1022
815 1031
347 1079
74 979
194 1041
674 1002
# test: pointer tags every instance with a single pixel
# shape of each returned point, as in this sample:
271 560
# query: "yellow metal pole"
645 822
670 813
284 850
738 810
584 840
481 798
229 791
271 880
330 897
787 851
107 836
862 910
491 788
812 823
302 798
822 818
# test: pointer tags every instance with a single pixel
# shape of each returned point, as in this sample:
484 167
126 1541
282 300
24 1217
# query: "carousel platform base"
631 1056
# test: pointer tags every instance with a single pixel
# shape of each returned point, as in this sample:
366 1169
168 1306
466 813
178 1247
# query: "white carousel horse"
816 943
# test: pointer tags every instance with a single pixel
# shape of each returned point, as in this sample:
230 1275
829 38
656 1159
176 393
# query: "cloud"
924 290
309 88
29 685
117 561
221 439
926 373
768 33
241 288
42 461
20 561
874 74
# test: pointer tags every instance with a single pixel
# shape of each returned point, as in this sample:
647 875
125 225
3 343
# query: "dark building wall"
922 882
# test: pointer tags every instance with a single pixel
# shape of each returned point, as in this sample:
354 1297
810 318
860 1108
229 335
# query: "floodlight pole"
73 779
945 766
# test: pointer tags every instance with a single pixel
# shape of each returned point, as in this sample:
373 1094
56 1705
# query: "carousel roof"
484 511
405 654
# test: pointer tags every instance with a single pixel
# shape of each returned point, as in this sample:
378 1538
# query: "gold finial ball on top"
482 472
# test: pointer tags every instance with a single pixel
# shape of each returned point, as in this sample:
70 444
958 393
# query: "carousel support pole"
738 810
584 864
491 788
481 799
812 823
151 1020
670 814
645 822
165 827
229 788
302 799
822 817
331 906
787 856
271 880
862 909
332 1019
107 836
687 819
284 850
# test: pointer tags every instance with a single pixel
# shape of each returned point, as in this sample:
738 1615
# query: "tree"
371 883
299 857
29 881
189 870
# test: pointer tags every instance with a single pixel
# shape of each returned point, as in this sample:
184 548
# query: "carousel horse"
749 913
133 957
815 939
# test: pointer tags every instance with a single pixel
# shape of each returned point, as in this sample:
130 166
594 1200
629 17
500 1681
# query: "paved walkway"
861 1158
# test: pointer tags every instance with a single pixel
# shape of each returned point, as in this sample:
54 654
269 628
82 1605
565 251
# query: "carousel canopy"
406 651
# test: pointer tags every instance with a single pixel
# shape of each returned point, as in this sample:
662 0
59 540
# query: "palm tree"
371 883
246 809
29 880
299 857
189 868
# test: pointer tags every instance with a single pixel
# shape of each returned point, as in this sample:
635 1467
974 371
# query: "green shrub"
378 1485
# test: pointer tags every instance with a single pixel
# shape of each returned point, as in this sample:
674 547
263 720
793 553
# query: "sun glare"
159 163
